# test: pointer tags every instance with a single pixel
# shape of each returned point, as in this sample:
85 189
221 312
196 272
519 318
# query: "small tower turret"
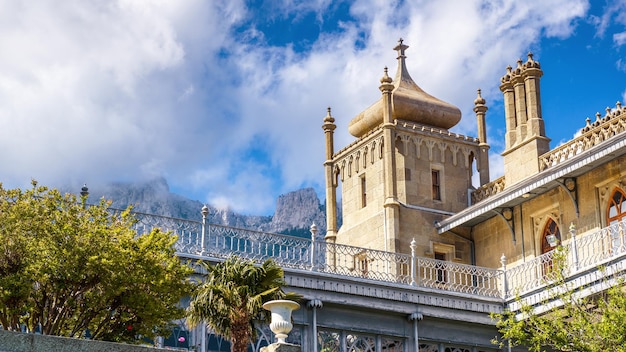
331 182
483 158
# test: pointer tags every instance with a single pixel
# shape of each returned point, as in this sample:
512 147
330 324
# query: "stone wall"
21 342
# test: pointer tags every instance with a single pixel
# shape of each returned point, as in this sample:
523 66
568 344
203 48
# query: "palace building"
407 179
430 245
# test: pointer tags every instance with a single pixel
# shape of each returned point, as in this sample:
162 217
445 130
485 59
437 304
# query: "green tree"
231 298
582 323
67 268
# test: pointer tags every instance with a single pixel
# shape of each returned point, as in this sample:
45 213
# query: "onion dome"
408 102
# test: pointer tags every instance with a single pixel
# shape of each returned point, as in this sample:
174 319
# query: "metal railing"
197 239
581 254
311 254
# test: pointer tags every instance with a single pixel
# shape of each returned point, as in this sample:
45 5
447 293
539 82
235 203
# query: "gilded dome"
408 102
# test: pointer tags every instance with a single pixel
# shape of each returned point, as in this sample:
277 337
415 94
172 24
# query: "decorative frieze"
367 151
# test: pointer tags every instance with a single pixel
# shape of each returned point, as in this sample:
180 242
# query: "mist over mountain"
295 211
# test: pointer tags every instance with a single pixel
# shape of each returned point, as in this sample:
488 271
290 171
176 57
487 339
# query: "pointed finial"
386 78
329 118
479 99
386 84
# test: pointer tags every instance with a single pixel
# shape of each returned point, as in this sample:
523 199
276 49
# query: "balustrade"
494 187
582 253
585 252
612 124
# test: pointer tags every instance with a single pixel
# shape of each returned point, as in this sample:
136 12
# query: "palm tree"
231 298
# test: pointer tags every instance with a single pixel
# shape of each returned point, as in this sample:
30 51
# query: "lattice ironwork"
356 343
457 349
352 341
392 345
328 341
425 347
264 337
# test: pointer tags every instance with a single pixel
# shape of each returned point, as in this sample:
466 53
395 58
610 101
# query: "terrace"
198 240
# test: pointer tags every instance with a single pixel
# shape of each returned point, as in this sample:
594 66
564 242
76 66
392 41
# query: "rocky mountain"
295 211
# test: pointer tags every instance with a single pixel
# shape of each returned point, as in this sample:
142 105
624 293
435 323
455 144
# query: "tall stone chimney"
525 131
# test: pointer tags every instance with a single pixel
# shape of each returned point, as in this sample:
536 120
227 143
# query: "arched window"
616 218
549 240
551 236
617 207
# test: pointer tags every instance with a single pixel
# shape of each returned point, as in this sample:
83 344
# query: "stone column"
520 102
391 205
509 108
331 187
483 159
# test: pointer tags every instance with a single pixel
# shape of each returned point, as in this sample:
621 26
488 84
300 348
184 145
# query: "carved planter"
281 317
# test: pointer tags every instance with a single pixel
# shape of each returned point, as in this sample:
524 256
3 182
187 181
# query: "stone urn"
281 317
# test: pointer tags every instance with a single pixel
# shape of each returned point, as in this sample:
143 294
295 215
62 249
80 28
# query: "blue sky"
225 99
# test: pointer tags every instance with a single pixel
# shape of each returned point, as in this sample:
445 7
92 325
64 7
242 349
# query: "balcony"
584 255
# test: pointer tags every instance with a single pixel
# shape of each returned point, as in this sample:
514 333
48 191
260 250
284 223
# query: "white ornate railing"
362 262
583 253
301 253
458 277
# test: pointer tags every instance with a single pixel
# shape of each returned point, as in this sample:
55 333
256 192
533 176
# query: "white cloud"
619 38
190 90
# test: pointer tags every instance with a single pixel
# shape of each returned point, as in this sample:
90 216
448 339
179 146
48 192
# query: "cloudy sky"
225 99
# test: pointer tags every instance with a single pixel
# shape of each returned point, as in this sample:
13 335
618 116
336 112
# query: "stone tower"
525 131
404 172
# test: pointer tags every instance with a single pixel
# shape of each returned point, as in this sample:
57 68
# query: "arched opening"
551 233
550 238
617 207
616 218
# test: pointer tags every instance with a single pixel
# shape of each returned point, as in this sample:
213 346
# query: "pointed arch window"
550 238
617 207
616 218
